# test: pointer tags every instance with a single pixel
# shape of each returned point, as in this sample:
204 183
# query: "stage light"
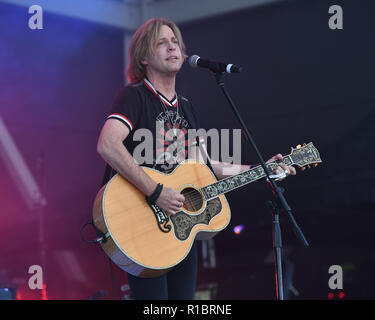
6 294
44 292
334 296
238 229
19 169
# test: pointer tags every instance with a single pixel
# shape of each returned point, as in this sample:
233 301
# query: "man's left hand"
282 170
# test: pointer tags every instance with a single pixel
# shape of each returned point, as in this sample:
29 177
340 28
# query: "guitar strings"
196 199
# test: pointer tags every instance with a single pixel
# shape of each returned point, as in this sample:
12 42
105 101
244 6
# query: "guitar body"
140 244
142 240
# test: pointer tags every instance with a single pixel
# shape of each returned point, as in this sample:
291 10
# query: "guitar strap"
188 114
191 119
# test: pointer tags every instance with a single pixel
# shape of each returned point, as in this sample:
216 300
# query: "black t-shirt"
158 127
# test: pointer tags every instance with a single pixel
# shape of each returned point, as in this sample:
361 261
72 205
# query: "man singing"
156 54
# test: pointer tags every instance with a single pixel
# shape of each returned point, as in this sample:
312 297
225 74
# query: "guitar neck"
228 184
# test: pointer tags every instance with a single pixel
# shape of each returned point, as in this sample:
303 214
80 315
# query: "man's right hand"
170 201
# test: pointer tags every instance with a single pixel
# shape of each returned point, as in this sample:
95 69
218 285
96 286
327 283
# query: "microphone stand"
276 205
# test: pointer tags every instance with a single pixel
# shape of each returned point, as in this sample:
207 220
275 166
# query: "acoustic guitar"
146 242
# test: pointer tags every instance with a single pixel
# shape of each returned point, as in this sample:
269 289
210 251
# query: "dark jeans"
177 284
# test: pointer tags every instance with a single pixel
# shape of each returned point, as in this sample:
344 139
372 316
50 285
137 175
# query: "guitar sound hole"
193 199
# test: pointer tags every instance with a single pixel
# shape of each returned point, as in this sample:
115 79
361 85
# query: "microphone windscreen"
193 61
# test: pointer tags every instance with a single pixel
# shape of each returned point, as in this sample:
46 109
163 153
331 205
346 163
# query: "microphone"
217 67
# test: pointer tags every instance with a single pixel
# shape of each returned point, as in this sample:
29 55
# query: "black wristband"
155 195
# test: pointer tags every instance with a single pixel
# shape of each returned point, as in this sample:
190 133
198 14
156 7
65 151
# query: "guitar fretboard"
228 184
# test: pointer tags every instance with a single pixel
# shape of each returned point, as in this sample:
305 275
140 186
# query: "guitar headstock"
306 155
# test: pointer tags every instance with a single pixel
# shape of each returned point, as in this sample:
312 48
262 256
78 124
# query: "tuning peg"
299 146
315 165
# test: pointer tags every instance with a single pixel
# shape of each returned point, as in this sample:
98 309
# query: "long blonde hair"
143 44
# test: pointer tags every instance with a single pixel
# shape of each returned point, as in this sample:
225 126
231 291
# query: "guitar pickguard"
183 223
